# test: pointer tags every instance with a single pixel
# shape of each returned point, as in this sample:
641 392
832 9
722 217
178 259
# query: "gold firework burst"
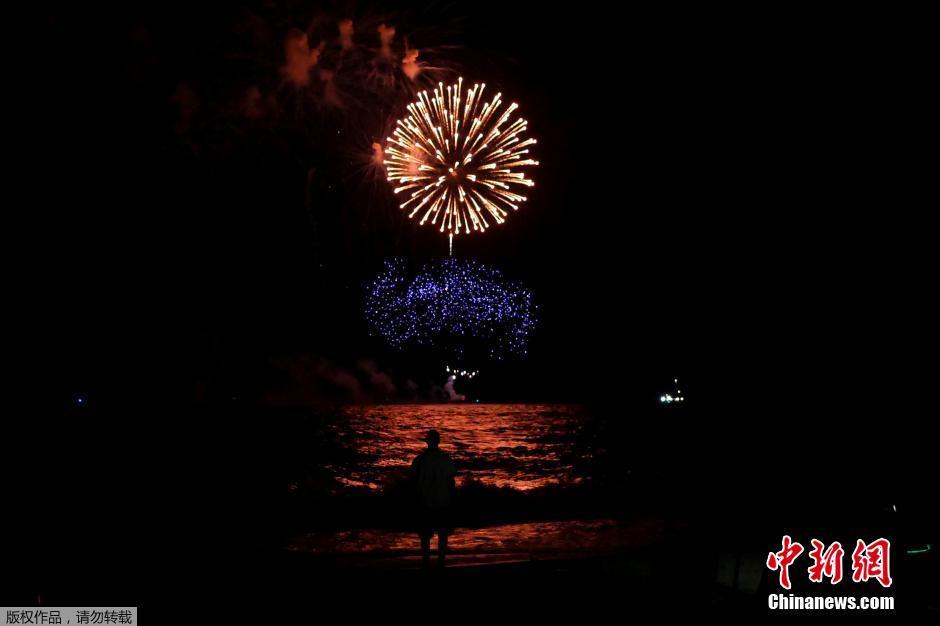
461 161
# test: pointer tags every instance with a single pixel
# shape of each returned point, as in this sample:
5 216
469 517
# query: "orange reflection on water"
580 537
521 446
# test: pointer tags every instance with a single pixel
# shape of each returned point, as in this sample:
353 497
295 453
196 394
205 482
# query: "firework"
450 304
459 160
457 372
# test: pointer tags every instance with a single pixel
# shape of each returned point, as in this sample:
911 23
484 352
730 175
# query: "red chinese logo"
869 561
826 563
872 561
782 560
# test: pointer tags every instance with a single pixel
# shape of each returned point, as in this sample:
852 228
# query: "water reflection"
520 446
580 537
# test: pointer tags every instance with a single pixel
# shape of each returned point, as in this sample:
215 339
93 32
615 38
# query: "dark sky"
737 198
713 201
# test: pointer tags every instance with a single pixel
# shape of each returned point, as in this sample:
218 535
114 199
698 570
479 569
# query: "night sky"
734 198
722 197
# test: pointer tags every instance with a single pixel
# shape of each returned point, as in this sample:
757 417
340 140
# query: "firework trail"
460 160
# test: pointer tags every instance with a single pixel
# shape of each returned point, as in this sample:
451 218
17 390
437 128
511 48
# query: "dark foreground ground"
686 572
625 566
691 543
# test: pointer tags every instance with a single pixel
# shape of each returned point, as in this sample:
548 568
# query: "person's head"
433 439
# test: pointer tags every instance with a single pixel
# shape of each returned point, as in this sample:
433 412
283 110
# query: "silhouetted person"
434 475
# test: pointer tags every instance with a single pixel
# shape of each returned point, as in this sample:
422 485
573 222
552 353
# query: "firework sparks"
459 159
456 372
448 304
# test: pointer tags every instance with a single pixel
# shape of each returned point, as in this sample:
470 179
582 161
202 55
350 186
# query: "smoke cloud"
187 104
330 94
253 104
378 154
386 35
311 380
299 58
380 381
409 64
346 35
452 394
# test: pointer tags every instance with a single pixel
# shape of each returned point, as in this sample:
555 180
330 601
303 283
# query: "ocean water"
519 446
529 448
556 538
